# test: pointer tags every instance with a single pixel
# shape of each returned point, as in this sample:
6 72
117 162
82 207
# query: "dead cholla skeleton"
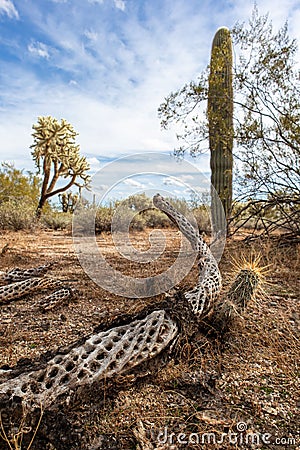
21 282
102 355
120 348
56 299
203 295
19 289
16 274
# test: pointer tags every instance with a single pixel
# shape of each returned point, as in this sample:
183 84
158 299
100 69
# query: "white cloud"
170 181
134 183
120 4
91 35
187 178
94 164
110 91
39 49
7 7
93 161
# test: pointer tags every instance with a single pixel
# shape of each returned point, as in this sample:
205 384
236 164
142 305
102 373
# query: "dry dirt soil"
239 390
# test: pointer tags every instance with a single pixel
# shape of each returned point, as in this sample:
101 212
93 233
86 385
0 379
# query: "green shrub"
103 219
138 212
136 202
17 215
124 217
156 219
56 220
203 220
138 223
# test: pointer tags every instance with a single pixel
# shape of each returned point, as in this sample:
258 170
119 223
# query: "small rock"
270 410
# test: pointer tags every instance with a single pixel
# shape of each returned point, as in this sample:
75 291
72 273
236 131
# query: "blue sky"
106 65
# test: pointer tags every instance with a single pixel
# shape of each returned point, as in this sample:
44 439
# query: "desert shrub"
267 215
17 215
156 219
56 220
137 213
138 223
202 217
136 202
135 220
103 219
124 218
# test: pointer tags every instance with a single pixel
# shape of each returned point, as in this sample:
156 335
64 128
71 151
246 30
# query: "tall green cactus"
220 122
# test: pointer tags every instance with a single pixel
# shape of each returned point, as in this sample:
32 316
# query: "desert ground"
246 381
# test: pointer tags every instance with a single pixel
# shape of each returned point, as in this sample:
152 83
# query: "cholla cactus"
68 201
243 289
57 156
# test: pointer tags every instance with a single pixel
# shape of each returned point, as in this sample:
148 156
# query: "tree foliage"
19 195
16 186
56 155
266 87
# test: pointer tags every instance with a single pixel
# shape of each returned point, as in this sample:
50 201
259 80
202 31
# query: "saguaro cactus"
220 119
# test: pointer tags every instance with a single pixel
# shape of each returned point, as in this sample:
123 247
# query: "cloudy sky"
106 65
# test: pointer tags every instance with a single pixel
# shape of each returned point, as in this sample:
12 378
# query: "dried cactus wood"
19 289
117 350
103 355
16 274
56 299
203 295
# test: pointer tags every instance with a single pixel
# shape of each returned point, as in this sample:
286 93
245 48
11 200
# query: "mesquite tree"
266 120
57 156
220 124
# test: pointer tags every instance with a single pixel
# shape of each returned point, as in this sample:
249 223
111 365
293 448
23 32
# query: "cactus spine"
220 122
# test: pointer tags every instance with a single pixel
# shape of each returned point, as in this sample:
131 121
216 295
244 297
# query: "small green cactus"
243 288
230 308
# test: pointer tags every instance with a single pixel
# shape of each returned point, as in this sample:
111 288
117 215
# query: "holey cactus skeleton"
103 355
119 349
124 345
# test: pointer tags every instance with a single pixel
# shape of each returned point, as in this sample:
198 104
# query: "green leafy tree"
57 156
15 185
266 86
19 194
